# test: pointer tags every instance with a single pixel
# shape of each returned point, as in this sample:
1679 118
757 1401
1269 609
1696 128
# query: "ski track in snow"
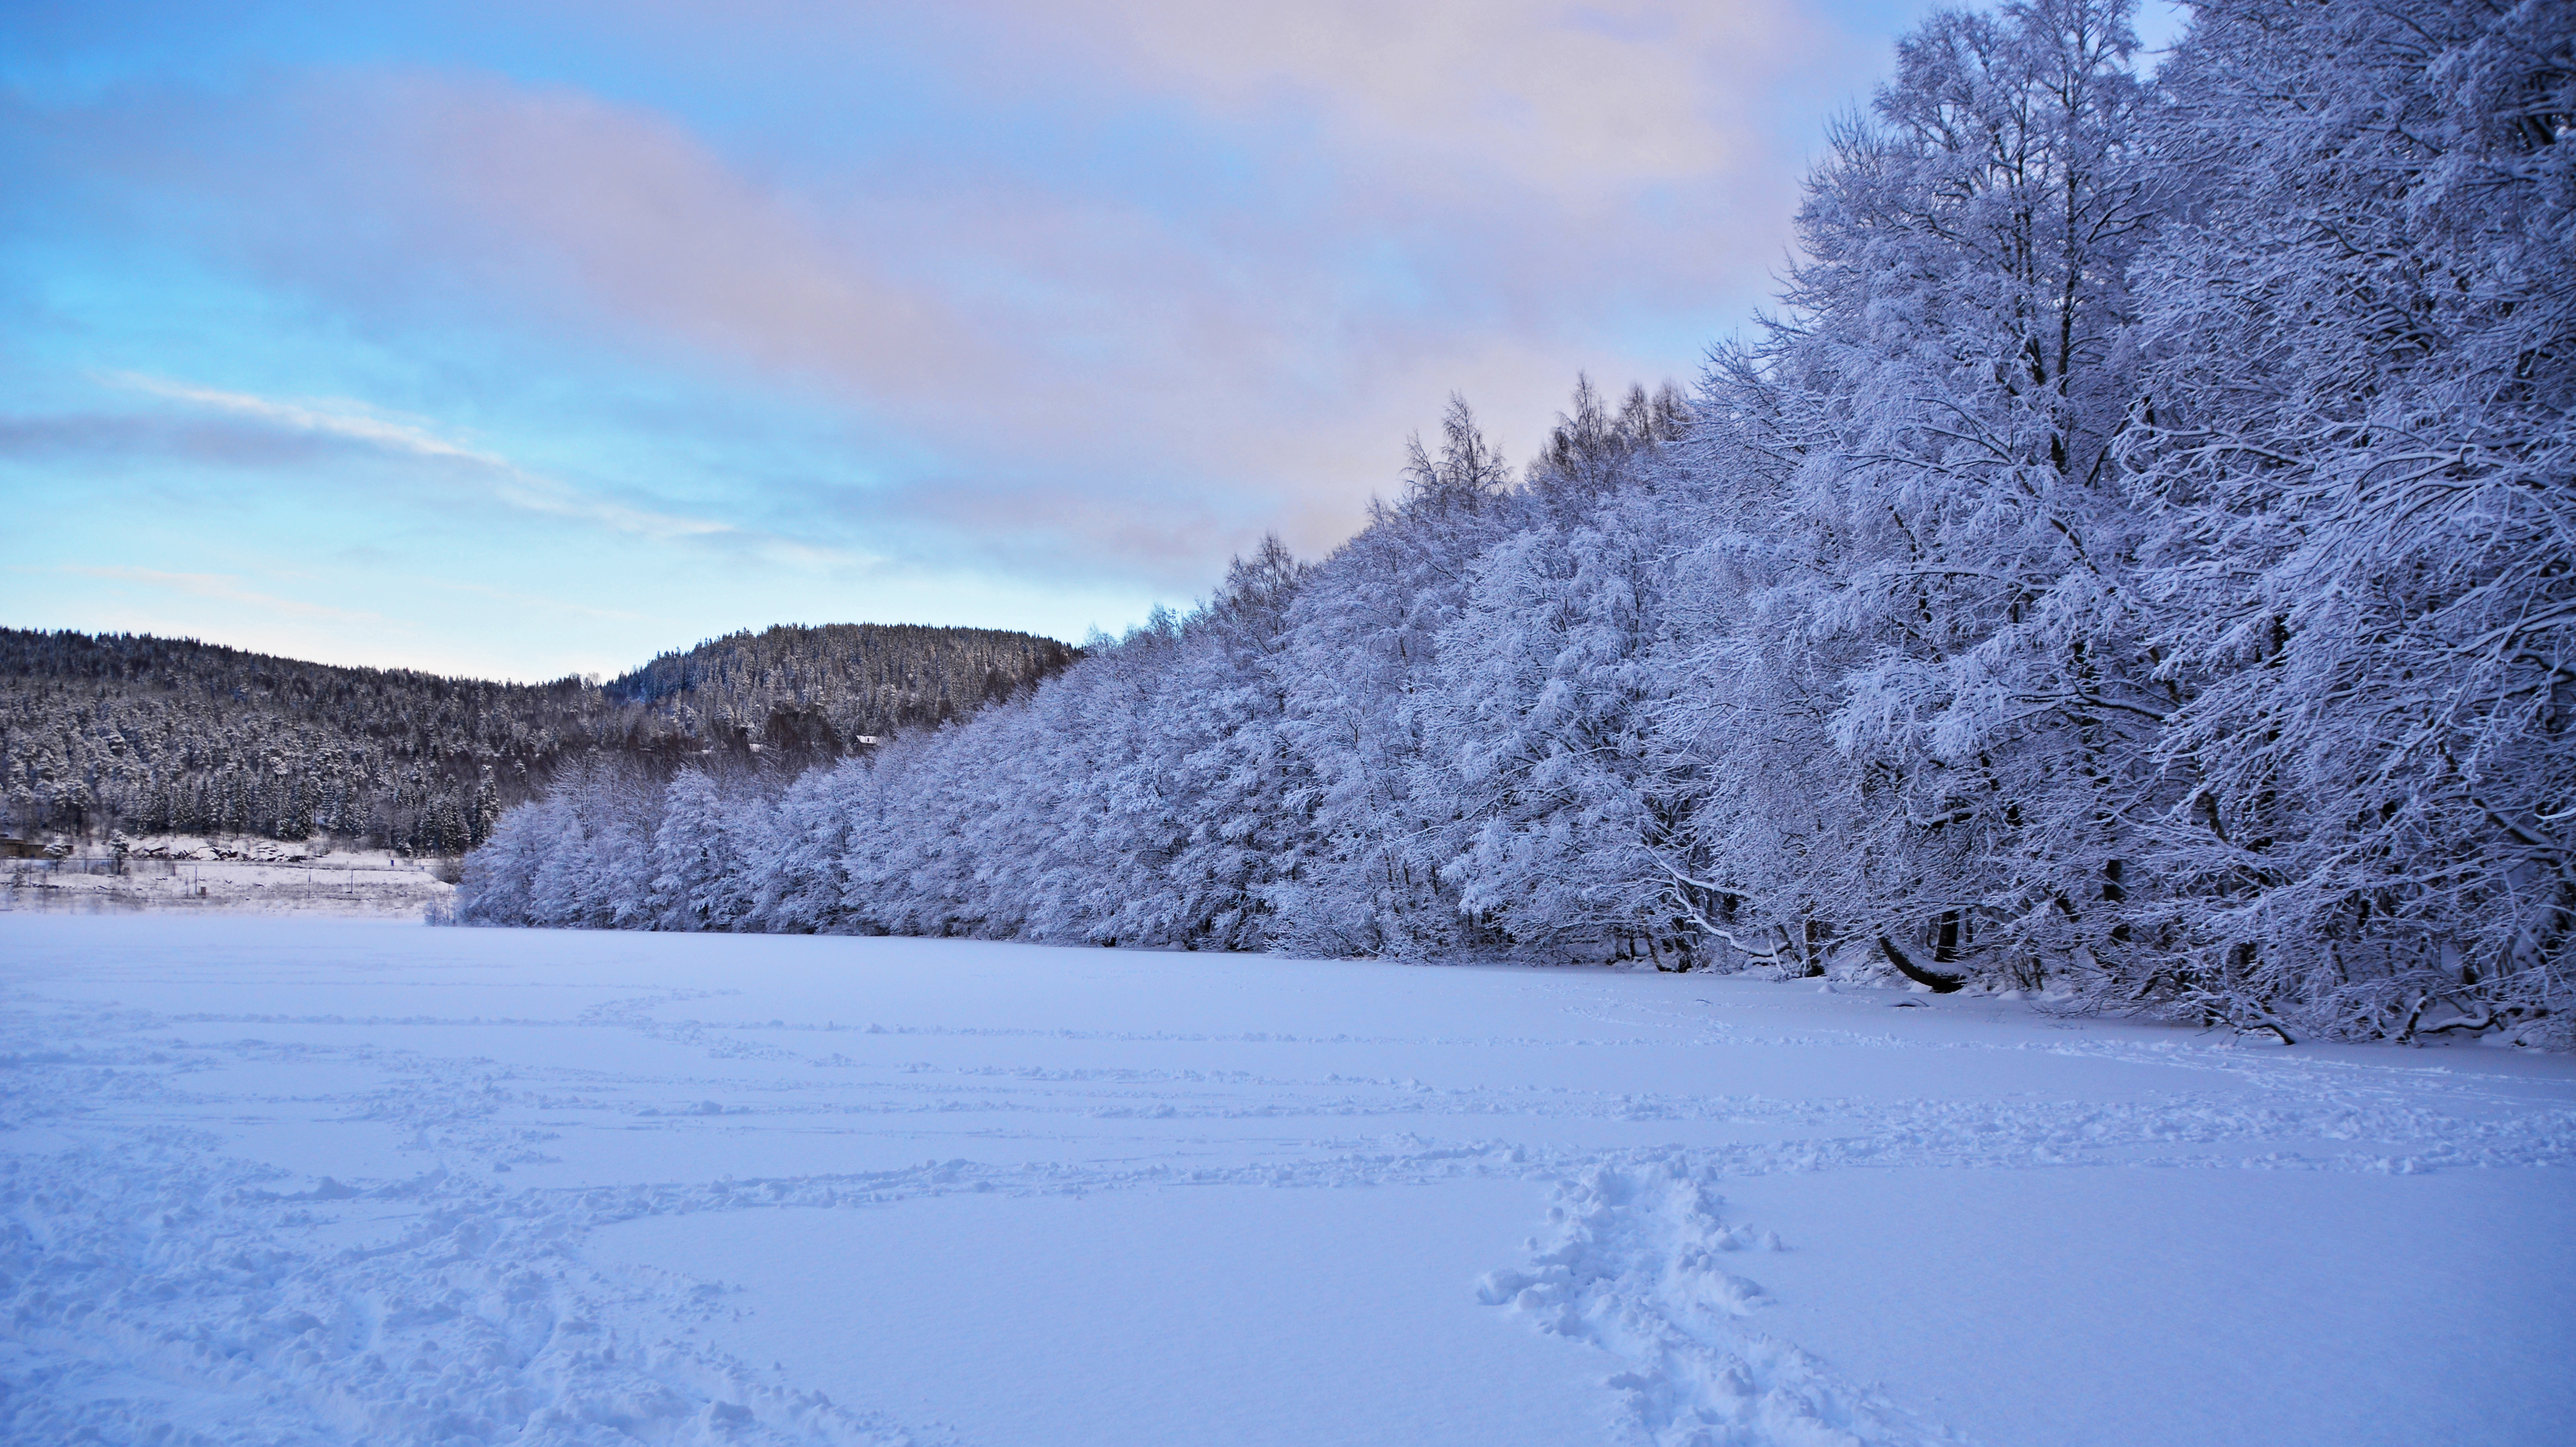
165 1284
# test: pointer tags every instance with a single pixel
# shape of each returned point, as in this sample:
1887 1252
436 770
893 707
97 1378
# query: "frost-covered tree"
1938 634
1231 773
1542 697
2136 562
704 855
1363 640
2359 419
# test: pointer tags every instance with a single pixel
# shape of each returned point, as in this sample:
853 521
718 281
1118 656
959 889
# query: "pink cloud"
1579 102
1106 373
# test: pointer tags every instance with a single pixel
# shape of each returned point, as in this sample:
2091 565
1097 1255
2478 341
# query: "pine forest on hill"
151 735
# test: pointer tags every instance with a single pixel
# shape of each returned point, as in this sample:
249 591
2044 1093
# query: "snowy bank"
231 874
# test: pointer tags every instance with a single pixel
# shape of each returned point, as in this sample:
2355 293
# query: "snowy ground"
305 1180
373 884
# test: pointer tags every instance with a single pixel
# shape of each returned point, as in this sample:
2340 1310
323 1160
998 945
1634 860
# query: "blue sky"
529 339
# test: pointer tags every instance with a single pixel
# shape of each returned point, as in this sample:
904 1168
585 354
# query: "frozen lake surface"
336 1181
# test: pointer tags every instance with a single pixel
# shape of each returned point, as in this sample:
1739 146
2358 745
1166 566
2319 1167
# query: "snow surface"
288 1180
234 876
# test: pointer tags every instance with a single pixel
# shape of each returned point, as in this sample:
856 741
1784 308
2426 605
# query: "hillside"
824 689
143 734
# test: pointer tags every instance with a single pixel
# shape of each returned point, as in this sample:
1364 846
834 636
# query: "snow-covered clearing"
306 1180
233 875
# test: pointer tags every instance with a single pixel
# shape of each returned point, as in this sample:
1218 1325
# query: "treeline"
2138 561
152 735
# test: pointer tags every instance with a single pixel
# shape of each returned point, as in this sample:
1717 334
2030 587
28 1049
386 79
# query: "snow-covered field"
234 875
309 1180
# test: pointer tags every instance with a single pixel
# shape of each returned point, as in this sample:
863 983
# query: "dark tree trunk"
1939 984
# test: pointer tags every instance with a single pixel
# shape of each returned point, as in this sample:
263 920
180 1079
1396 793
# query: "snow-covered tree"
1933 518
2137 558
1547 801
703 855
1363 640
2359 418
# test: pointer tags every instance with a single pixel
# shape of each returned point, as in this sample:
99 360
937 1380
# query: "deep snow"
302 1180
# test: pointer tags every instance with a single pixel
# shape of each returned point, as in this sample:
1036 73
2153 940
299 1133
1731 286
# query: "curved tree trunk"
1939 984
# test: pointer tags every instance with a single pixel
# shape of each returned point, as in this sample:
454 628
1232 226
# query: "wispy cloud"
358 423
339 419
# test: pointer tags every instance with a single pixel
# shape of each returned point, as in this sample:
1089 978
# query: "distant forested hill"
823 689
151 734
